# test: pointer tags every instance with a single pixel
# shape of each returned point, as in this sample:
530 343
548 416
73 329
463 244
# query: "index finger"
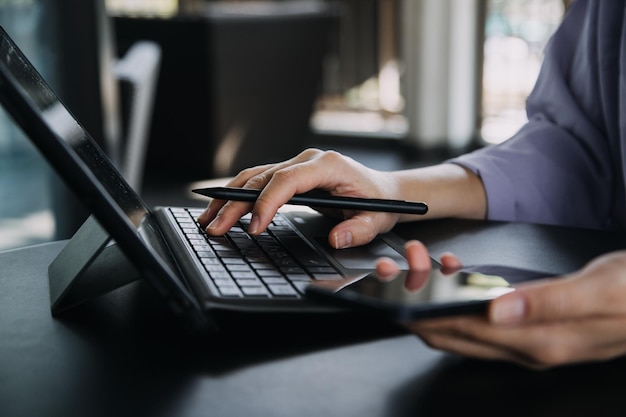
306 172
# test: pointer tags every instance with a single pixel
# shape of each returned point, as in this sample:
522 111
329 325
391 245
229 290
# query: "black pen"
319 199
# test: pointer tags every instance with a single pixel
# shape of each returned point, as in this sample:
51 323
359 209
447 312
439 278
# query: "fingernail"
343 240
253 227
508 310
213 225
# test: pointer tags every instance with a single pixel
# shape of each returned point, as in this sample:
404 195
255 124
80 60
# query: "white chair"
137 74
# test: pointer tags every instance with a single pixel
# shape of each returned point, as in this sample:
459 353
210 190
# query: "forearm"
449 190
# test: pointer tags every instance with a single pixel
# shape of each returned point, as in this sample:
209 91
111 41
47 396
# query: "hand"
576 318
312 169
449 190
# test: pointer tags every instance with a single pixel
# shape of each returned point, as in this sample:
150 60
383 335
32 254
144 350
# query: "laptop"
201 277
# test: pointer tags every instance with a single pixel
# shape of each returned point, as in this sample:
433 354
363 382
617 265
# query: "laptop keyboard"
276 264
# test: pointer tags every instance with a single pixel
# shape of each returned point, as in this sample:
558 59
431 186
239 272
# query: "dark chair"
237 87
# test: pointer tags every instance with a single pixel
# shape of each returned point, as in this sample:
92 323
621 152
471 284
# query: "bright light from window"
516 33
160 8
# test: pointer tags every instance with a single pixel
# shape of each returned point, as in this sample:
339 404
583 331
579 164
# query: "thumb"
544 300
597 289
360 229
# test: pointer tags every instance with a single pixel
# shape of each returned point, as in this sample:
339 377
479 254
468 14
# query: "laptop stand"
89 265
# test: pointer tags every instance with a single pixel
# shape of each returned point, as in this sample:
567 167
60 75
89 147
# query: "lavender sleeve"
564 166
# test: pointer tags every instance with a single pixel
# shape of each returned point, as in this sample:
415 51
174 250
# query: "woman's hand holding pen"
312 169
449 190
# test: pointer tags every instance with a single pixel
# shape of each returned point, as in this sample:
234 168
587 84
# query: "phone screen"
411 295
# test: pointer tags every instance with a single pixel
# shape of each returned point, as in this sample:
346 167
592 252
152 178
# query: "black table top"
124 354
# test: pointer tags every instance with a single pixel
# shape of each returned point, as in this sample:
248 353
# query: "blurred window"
25 204
516 33
362 90
160 8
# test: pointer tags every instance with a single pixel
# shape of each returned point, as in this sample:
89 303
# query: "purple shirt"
566 165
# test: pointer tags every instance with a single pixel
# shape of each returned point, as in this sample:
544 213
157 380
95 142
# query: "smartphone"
418 295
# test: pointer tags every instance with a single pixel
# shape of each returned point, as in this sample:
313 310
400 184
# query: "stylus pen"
317 199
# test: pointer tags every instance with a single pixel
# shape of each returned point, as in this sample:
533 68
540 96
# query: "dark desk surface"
123 354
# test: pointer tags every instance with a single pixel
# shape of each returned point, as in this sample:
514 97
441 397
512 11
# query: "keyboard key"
283 290
274 280
220 275
244 275
301 286
258 259
230 291
248 282
206 260
221 247
298 277
327 277
268 272
234 261
321 270
215 268
292 270
217 240
255 291
236 267
224 282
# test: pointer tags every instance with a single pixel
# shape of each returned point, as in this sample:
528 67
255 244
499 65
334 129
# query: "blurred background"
180 91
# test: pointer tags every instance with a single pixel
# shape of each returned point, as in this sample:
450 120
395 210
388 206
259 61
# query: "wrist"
450 190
